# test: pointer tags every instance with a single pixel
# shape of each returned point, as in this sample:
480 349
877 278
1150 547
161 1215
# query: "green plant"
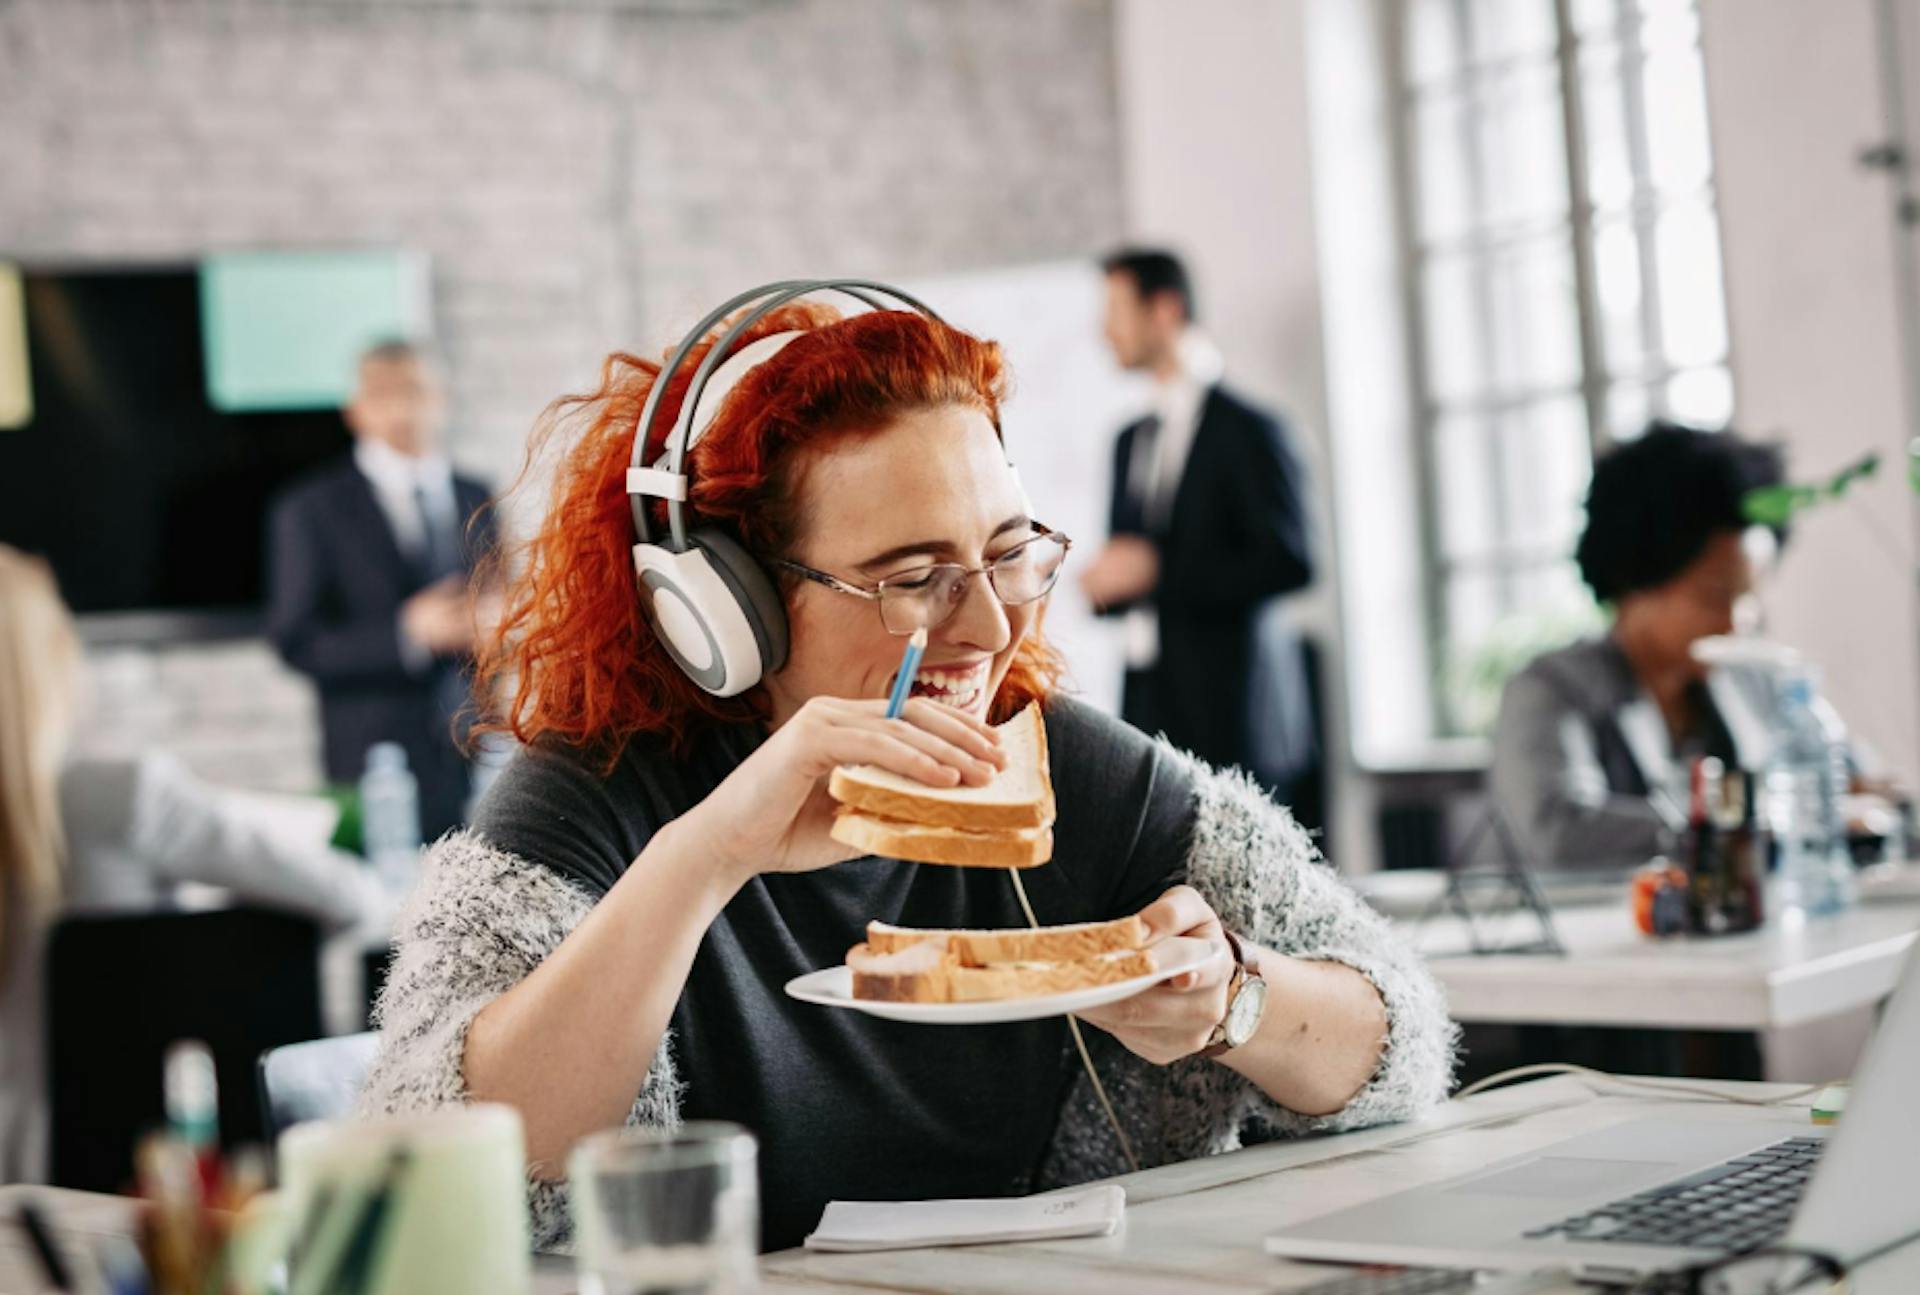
1780 505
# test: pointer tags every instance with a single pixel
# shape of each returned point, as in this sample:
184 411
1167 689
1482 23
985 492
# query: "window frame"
1482 239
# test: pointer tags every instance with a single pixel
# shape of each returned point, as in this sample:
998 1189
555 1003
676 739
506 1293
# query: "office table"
1197 1227
1194 1228
1763 980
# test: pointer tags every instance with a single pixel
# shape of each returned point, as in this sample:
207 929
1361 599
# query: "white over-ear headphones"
711 604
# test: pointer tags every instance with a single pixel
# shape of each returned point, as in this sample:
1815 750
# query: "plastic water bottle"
1805 785
390 816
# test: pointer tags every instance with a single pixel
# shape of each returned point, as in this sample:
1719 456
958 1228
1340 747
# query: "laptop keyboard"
1735 1206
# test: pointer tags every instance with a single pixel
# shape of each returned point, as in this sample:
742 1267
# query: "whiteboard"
1069 400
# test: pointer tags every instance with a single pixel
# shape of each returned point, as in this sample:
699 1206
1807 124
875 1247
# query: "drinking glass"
666 1212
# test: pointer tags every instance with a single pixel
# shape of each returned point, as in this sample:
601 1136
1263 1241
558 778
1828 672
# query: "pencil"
909 667
46 1251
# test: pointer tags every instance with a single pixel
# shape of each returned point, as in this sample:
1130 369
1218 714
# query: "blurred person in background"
369 566
1209 528
1594 741
109 834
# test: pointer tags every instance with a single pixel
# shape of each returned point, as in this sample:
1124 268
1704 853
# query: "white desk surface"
1193 1228
1197 1227
1612 975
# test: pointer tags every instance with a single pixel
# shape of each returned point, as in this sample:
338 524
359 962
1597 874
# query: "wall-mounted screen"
145 494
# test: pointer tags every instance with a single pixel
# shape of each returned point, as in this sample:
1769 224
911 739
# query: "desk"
1764 980
1196 1228
1193 1228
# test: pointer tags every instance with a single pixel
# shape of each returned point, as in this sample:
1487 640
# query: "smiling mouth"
959 689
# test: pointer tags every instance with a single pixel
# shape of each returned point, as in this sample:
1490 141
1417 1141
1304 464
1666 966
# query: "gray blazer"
1584 771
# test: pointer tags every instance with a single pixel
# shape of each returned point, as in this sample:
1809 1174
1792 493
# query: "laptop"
1655 1194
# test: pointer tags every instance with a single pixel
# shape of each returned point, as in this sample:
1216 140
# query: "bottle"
1744 847
1842 889
190 1090
1701 851
1805 783
390 816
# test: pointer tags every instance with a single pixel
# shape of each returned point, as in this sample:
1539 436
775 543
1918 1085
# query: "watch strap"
1217 1041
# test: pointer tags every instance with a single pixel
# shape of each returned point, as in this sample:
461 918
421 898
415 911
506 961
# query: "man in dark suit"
1209 528
369 566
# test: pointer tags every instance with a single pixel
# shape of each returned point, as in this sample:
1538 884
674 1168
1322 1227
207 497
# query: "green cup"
427 1204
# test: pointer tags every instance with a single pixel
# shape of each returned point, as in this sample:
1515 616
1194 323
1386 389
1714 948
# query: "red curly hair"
583 663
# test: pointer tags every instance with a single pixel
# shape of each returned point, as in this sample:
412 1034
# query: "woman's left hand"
1174 1018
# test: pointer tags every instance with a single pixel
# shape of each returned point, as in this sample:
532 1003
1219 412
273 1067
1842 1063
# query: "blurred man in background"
370 591
1209 528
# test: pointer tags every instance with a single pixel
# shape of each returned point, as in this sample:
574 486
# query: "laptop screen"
1862 1196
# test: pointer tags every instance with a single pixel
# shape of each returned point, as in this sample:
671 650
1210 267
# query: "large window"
1564 287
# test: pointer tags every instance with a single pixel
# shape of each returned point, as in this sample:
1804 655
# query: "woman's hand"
1174 1018
772 813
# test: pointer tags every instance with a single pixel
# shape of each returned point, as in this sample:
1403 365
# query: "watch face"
1243 1015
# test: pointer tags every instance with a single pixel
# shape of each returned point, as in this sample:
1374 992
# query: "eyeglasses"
926 597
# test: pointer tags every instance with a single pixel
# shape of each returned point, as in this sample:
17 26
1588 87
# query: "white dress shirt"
401 483
395 478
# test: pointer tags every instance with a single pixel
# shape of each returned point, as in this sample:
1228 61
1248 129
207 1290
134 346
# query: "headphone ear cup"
753 591
708 606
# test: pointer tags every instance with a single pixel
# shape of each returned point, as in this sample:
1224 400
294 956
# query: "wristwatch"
1246 1004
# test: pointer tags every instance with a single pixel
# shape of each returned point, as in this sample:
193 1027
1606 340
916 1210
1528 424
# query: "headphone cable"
1073 1026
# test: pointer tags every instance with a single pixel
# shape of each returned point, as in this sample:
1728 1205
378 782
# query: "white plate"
833 987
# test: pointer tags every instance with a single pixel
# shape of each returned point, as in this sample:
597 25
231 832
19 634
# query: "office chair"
315 1080
121 988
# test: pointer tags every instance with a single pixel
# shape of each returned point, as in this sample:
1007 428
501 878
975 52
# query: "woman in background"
1594 741
107 834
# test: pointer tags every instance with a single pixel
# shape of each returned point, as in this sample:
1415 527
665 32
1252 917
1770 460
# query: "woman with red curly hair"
610 939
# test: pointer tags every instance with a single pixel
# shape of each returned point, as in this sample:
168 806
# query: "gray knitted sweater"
482 919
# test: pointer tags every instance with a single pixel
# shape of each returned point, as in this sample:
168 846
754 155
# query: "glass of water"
666 1212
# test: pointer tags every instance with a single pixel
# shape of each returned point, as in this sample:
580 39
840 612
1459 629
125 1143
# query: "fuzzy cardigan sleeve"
478 924
1260 872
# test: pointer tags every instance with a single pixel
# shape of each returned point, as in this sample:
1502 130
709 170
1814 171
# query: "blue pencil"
909 667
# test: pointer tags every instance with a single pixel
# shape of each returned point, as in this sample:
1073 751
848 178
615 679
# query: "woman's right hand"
772 814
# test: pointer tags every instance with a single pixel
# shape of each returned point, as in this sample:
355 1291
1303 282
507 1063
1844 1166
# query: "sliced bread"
986 948
1026 847
1020 795
927 973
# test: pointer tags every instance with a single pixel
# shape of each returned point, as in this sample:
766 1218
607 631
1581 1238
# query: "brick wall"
582 178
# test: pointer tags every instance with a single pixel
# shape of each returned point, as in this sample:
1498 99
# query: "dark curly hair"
1656 503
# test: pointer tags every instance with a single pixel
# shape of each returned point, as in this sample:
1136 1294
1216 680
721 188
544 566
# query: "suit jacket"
336 581
1231 682
1584 770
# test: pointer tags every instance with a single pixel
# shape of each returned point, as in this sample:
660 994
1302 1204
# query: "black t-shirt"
847 1106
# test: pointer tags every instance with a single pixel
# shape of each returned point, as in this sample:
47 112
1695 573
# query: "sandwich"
905 965
1005 823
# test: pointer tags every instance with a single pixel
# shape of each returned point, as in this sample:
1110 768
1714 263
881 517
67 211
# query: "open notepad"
904 1225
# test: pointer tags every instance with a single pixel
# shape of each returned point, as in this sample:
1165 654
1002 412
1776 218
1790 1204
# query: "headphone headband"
712 605
667 477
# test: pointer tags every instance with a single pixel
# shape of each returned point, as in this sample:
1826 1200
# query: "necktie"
439 549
